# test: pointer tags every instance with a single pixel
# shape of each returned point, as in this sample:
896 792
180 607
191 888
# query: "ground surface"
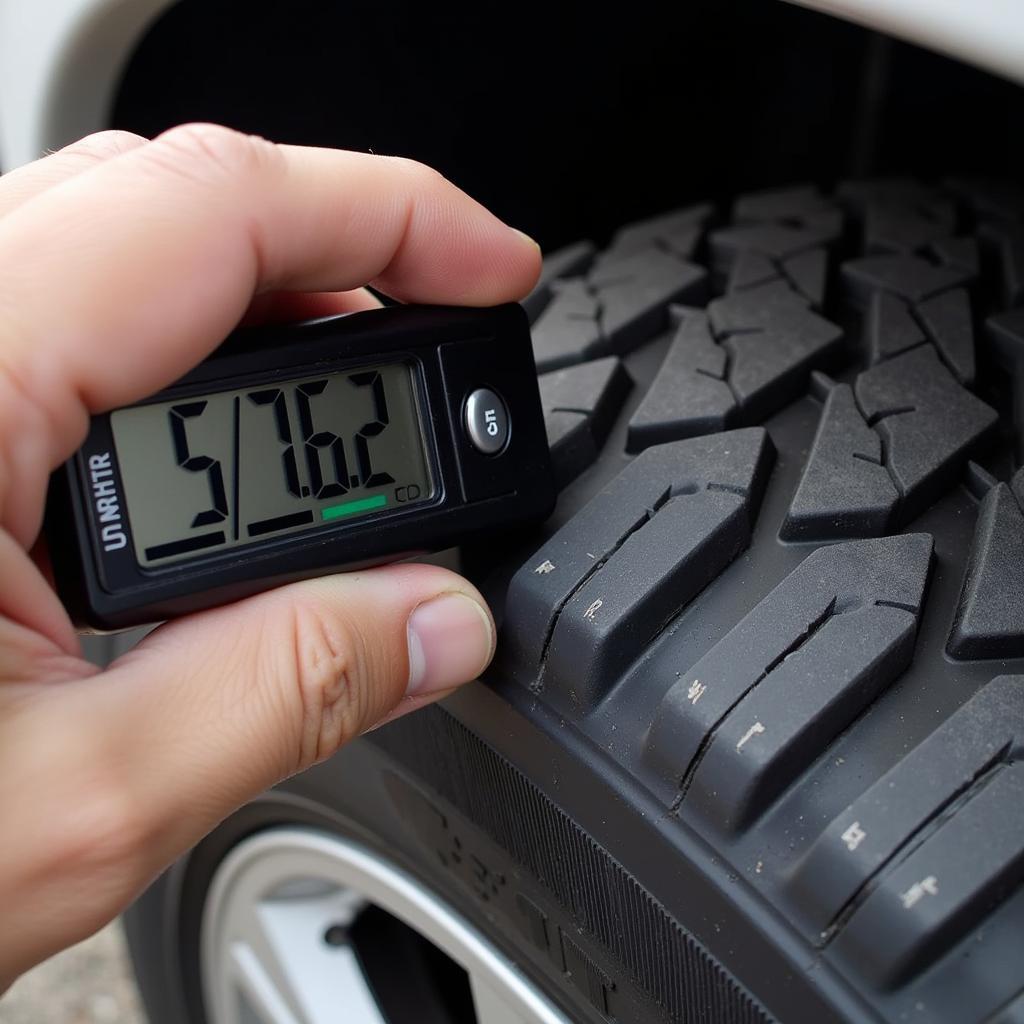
89 984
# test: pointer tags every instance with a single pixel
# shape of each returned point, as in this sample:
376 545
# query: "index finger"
119 280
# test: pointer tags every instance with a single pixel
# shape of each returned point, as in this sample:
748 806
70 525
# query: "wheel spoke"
255 990
282 943
318 976
286 970
491 1006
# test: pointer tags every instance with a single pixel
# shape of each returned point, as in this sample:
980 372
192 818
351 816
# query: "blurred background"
569 118
89 984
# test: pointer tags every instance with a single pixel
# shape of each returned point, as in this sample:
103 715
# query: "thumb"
130 767
211 710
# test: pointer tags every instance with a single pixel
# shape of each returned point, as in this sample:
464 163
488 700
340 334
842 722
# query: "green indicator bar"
351 508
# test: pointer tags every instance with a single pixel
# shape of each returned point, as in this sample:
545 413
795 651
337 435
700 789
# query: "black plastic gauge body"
278 497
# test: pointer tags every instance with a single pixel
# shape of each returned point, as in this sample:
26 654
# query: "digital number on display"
220 470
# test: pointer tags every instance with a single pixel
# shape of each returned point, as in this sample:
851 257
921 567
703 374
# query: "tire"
749 748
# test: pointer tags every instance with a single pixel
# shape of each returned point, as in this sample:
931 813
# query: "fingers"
27 598
157 253
228 702
131 767
28 181
287 307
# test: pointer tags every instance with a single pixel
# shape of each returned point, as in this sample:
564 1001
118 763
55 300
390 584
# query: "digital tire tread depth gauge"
298 451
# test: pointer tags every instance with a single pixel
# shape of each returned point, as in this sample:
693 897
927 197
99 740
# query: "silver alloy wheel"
275 947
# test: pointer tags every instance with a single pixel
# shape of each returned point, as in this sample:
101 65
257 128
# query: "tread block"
797 205
779 235
900 215
1008 330
999 207
1011 1012
909 277
795 255
757 358
1009 242
989 621
958 252
898 228
770 696
930 425
541 587
580 405
893 326
773 341
776 241
947 319
890 328
584 607
786 721
689 396
750 269
1005 333
943 888
845 490
807 273
677 233
657 571
568 331
927 428
865 836
990 198
570 261
635 294
615 309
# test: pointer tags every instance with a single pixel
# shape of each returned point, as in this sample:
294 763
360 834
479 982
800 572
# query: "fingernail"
532 241
450 642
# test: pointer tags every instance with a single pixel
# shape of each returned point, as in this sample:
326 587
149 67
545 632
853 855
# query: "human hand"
124 262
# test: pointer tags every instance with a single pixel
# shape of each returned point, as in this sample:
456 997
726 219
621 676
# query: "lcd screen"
215 471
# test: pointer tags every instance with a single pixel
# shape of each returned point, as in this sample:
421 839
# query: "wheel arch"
60 64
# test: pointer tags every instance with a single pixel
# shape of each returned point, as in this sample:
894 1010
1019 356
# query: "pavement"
91 983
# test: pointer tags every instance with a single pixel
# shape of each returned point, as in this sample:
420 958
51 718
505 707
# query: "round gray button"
487 421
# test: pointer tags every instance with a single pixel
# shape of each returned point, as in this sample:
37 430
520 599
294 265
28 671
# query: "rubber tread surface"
728 614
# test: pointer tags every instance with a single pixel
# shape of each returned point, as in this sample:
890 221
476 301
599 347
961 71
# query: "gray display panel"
216 471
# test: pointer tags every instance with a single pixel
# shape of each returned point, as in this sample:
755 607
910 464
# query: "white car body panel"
988 33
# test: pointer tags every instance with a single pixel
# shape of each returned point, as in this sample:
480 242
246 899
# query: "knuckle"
209 153
101 146
330 678
424 177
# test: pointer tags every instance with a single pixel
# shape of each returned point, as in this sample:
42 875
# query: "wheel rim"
293 931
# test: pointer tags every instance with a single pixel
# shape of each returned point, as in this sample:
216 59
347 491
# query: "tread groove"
813 627
647 516
941 813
